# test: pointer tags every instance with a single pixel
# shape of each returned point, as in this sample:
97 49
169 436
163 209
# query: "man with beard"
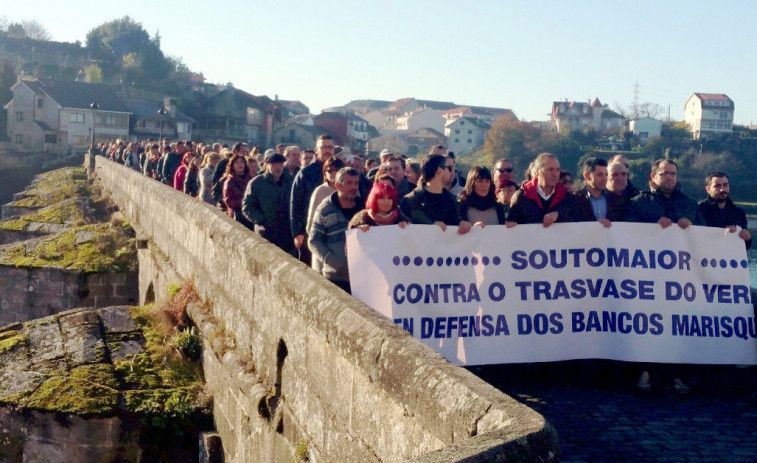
719 211
593 201
664 203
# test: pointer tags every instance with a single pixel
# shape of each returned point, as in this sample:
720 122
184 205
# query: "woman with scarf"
381 208
477 202
234 184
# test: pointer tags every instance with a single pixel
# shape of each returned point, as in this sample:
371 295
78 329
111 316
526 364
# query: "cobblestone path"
600 417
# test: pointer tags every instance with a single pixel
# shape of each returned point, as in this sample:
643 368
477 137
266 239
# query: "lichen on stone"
69 211
90 248
10 340
85 391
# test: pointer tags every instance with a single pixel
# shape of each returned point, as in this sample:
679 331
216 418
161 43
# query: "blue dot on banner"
430 261
457 261
406 260
744 263
396 260
734 264
418 261
713 263
465 261
474 260
496 260
439 261
723 263
485 260
704 262
449 261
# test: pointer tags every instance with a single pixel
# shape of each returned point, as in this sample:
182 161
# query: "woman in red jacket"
234 184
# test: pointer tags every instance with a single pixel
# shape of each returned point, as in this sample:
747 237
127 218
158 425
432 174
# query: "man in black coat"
719 211
305 182
266 202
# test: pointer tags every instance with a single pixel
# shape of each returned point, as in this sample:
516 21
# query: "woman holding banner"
477 202
381 208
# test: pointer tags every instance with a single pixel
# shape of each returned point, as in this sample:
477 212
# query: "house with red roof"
708 114
578 115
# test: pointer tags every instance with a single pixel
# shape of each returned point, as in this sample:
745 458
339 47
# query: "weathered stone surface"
385 397
117 320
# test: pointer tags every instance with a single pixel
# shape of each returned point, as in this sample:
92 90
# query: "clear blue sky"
514 54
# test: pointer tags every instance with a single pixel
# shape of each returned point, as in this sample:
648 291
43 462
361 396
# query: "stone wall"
32 436
30 293
294 362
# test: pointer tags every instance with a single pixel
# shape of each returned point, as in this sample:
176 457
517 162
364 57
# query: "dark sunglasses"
503 170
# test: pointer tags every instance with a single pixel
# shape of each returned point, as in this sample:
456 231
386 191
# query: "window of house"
457 131
470 140
51 137
462 122
470 131
457 140
19 138
76 118
19 115
644 134
39 103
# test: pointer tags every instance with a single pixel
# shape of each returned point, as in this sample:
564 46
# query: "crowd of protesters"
304 200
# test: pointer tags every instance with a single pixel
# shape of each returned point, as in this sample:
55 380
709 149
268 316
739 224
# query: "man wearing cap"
266 201
305 182
383 157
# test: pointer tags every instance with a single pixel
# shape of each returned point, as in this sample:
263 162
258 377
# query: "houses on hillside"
578 115
59 115
708 114
55 115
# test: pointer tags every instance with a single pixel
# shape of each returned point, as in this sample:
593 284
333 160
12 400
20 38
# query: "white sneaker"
643 384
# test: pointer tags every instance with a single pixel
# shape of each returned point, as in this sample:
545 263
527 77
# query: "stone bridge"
301 371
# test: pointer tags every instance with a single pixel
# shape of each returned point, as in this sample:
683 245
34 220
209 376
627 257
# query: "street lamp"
162 112
93 106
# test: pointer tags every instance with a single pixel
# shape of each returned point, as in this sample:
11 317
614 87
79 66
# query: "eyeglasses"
503 170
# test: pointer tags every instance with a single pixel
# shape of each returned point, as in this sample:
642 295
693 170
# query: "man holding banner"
719 211
664 203
543 199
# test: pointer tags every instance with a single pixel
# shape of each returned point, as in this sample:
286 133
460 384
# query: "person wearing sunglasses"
430 202
503 171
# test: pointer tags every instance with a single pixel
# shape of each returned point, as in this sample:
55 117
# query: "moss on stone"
10 340
90 248
88 390
53 187
65 212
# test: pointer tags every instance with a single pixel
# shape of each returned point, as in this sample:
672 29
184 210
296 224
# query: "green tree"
7 79
125 48
93 74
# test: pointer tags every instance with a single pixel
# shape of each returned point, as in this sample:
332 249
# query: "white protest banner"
634 292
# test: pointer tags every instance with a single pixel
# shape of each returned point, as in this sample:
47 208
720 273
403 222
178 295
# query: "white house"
419 118
708 113
646 128
55 115
465 133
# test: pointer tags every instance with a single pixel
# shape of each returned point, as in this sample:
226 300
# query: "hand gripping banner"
634 292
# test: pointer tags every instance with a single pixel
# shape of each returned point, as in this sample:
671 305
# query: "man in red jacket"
543 199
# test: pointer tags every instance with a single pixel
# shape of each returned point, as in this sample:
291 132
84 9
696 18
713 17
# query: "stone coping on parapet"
452 403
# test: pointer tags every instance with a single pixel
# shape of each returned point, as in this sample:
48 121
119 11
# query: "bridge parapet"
312 365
